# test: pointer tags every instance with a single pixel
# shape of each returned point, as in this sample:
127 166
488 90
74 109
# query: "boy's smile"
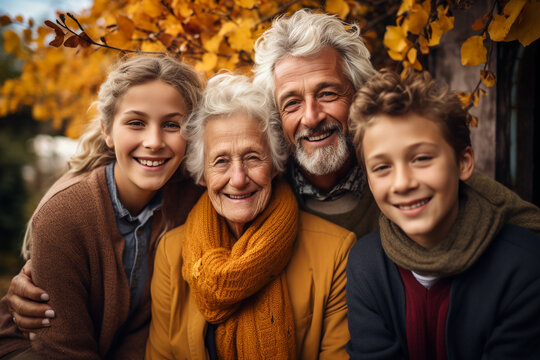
414 176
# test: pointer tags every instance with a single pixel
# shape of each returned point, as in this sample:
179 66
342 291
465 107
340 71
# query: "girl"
445 276
92 238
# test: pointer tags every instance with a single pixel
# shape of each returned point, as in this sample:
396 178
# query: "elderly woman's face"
237 169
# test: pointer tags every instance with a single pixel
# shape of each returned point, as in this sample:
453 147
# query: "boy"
444 277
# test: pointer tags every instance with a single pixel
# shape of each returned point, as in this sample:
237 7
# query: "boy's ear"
108 138
466 163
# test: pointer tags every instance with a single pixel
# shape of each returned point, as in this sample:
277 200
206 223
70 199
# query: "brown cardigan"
77 257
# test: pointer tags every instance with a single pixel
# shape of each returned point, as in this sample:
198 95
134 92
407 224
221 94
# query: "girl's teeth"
413 206
151 163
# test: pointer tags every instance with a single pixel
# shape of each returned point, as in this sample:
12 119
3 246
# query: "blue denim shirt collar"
120 211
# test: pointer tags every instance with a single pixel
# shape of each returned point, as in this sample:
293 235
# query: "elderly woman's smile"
237 169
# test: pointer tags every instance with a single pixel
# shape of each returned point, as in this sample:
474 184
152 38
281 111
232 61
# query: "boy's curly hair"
387 93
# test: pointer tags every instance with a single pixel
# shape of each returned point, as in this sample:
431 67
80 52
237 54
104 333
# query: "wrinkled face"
313 96
414 176
238 169
146 139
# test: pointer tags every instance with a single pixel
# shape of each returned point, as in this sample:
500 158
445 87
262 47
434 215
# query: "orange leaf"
59 34
84 40
166 39
472 121
473 51
478 24
488 78
5 20
72 42
422 41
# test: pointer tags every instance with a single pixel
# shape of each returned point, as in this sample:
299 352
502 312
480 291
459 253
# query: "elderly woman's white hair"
226 95
305 34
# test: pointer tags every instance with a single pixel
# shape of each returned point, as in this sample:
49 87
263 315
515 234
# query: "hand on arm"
27 302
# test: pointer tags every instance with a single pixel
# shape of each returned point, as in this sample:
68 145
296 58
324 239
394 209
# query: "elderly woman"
248 276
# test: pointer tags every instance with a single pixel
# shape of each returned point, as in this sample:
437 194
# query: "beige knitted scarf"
240 284
478 221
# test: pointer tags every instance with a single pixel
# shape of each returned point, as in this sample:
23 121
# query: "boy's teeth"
151 163
413 206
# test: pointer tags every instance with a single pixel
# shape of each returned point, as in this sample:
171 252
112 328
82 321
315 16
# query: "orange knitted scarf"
241 284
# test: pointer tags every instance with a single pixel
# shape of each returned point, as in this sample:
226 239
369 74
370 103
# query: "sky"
41 9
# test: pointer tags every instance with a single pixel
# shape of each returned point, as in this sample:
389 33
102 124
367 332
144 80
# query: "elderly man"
313 64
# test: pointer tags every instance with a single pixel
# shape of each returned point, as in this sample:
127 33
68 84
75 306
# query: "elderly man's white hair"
227 95
305 34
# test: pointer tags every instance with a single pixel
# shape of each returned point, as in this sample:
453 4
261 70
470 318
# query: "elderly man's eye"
291 105
328 96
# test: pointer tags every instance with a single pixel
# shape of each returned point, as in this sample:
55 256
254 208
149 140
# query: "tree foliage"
67 59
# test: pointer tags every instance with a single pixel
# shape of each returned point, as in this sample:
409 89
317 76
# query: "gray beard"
323 161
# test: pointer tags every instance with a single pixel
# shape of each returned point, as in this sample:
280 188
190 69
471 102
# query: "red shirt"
426 317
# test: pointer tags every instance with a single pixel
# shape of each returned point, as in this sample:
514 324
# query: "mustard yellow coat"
316 282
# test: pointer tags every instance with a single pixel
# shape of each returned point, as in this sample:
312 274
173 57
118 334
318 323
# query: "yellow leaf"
246 4
406 5
446 22
153 46
153 8
465 98
19 18
411 55
526 28
472 121
227 27
339 7
395 39
436 33
212 44
27 33
473 51
242 37
417 19
12 42
208 63
488 78
500 25
182 8
396 56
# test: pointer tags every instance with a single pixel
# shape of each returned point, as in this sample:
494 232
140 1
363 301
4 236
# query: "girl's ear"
466 163
107 137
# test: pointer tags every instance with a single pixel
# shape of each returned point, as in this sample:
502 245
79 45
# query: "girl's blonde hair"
93 152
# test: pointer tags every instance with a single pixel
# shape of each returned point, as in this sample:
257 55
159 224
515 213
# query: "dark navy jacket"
494 308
